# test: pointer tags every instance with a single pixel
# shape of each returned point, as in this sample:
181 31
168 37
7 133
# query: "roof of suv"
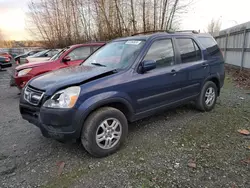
159 34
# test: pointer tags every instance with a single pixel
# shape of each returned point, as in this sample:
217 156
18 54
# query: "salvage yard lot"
178 148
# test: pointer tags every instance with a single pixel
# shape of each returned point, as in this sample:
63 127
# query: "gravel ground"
177 148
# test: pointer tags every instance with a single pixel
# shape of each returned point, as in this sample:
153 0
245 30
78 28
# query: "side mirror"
45 55
148 65
66 59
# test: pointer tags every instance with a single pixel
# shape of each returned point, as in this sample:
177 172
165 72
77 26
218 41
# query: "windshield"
117 55
56 56
40 53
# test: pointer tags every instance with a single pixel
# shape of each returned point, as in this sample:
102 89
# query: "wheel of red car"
104 131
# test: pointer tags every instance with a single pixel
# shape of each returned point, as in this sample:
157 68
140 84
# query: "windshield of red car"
56 56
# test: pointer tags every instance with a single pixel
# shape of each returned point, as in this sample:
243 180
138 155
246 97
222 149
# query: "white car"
42 56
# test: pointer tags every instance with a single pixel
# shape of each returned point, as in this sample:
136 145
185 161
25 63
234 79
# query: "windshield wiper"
98 64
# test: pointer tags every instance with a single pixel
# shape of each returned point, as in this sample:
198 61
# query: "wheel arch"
215 79
119 103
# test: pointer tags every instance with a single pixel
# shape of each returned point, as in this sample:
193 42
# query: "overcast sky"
12 15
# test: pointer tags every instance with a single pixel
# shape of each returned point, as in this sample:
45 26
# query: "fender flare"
86 110
214 76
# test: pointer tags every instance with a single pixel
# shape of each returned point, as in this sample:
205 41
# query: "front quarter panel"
102 99
85 107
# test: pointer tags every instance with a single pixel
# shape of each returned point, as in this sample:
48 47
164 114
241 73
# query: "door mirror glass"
66 59
148 65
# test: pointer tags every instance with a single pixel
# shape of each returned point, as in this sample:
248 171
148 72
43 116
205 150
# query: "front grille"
33 96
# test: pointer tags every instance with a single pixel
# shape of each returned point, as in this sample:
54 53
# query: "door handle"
173 72
204 65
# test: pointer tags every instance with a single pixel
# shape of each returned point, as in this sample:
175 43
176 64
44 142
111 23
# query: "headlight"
24 72
64 99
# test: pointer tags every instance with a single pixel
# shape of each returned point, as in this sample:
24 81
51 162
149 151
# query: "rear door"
213 56
193 65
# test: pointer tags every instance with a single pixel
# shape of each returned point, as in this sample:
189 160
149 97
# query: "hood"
51 82
22 55
31 65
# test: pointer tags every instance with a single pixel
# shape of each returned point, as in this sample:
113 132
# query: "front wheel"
208 96
104 131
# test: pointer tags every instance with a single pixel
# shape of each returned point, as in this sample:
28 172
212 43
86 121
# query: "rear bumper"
5 65
59 124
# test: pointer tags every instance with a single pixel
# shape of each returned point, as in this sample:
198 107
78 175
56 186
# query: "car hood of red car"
31 65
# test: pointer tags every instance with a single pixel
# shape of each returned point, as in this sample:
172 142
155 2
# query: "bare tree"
133 15
155 13
214 27
64 22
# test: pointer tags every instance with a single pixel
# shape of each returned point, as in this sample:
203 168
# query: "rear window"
210 45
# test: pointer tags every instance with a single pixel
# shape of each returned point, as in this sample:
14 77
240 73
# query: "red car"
5 54
69 56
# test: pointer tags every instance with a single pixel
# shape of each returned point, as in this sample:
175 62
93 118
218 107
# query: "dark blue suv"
126 80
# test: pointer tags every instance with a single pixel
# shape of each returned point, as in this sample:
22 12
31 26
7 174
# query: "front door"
160 86
77 55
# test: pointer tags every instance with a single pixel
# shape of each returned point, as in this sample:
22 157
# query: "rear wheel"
208 96
104 131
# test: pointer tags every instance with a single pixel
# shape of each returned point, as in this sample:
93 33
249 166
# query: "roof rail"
145 32
188 31
170 32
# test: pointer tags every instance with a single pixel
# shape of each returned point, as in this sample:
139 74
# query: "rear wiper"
98 64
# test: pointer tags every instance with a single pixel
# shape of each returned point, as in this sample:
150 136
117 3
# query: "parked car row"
123 81
69 56
42 56
5 62
21 58
5 54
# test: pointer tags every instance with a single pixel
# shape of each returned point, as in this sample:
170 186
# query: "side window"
162 52
32 53
189 50
79 53
94 48
210 45
54 52
50 53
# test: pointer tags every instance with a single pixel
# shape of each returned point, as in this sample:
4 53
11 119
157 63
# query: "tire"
201 103
96 125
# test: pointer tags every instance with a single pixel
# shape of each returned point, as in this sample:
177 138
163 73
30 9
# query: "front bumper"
60 124
5 64
20 81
